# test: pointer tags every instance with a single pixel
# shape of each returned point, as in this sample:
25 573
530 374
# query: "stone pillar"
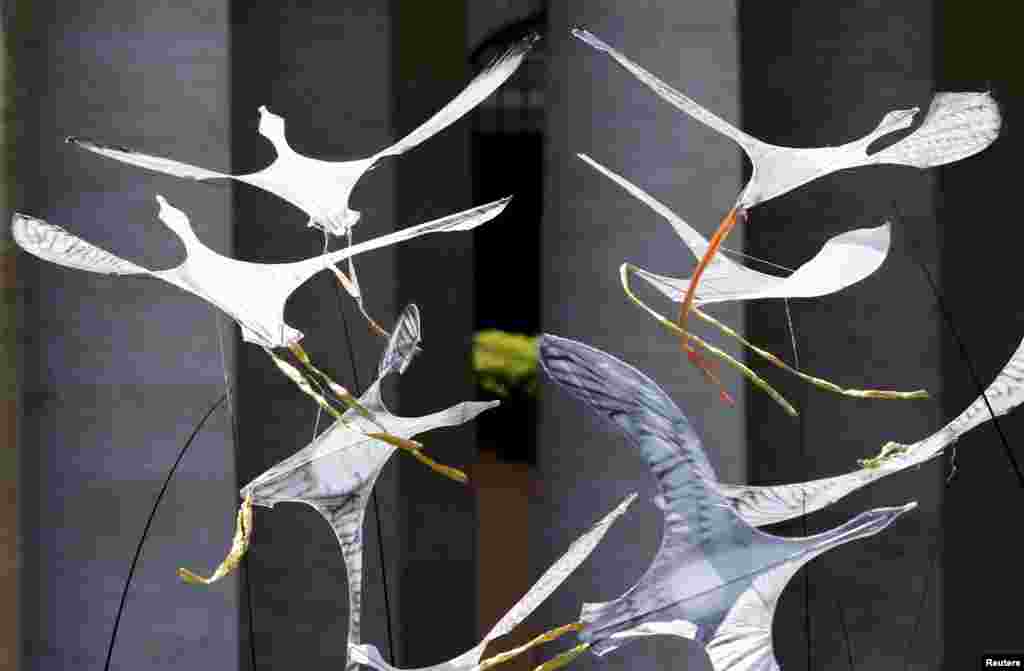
430 66
9 536
590 227
326 68
118 370
821 75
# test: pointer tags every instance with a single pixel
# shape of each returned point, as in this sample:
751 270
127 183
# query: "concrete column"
817 74
9 536
590 227
430 66
117 371
326 68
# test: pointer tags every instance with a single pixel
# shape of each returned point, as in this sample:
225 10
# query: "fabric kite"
715 579
253 294
336 472
844 260
320 188
956 126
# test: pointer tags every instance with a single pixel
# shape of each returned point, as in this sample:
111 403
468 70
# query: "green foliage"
505 363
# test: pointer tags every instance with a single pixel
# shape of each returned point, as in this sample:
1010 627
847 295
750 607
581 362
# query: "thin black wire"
846 633
803 517
245 561
248 601
373 491
233 416
974 374
920 606
149 523
995 421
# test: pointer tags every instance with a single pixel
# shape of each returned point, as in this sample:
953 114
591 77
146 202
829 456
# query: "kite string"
234 440
948 318
920 606
149 523
807 573
373 491
803 517
744 255
973 373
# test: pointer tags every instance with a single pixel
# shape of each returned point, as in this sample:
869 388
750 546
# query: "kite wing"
479 88
957 125
541 590
54 244
147 161
770 504
844 260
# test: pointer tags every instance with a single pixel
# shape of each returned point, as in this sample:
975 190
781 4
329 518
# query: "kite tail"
728 223
411 446
754 378
293 374
239 545
917 394
563 659
546 637
416 450
340 392
351 287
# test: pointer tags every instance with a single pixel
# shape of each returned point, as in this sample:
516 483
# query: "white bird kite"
253 294
337 471
957 125
320 188
844 260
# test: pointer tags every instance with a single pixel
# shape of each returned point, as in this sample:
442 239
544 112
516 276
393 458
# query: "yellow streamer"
412 447
416 450
820 383
754 378
546 637
239 544
889 450
563 659
917 394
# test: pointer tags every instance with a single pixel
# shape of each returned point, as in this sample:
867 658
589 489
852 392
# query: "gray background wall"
117 371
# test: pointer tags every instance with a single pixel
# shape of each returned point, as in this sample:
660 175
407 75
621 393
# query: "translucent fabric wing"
320 188
844 260
705 580
771 504
336 472
956 126
541 590
253 294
